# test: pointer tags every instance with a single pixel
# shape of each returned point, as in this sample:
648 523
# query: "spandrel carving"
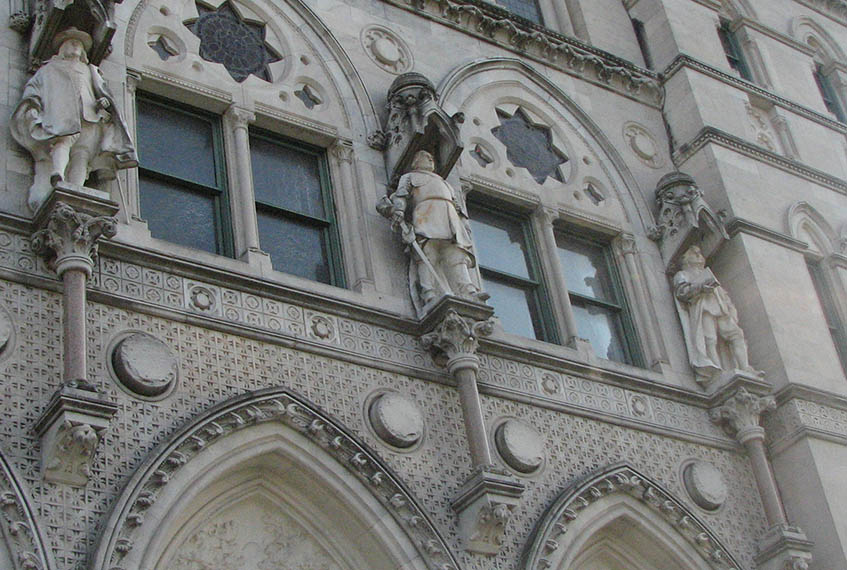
713 336
69 122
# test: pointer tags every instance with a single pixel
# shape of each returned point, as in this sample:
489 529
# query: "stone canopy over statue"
713 336
69 122
432 220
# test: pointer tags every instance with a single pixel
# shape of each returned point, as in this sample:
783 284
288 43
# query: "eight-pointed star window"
228 39
529 145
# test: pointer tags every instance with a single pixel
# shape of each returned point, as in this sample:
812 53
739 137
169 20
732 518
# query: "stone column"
238 120
70 224
783 546
485 501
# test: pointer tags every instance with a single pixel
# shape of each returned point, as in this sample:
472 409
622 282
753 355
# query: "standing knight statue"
713 336
68 120
432 220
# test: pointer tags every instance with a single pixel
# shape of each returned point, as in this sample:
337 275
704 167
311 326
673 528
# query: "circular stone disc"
386 51
144 364
705 485
642 144
396 420
520 446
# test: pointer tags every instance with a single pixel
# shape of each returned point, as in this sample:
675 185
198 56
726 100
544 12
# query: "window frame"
547 325
220 193
329 225
732 51
629 341
824 289
829 95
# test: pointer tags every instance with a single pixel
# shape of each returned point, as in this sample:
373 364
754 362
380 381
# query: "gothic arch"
619 512
273 450
22 546
733 9
296 26
810 33
509 80
806 224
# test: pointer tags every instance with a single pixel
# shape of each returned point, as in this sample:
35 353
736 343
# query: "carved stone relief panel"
643 144
386 49
143 364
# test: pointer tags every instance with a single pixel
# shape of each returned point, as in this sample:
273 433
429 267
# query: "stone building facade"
227 357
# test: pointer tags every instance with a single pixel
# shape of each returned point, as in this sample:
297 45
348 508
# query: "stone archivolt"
22 537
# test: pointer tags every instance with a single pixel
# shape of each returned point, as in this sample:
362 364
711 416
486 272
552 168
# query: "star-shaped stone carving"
227 39
529 145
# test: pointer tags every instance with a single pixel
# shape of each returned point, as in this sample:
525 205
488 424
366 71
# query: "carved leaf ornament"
271 405
551 533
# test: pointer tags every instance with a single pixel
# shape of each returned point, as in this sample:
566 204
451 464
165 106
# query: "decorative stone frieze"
484 505
546 547
70 429
685 218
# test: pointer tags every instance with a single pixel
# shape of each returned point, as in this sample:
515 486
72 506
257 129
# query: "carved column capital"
133 78
342 151
455 340
627 244
239 117
69 238
740 414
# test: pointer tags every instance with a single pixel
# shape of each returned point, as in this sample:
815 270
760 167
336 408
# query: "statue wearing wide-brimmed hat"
68 120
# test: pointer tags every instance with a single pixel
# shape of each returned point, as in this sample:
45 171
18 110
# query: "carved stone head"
73 44
693 258
423 161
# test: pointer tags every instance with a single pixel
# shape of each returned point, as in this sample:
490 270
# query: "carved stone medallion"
643 145
386 50
705 485
144 365
396 419
520 446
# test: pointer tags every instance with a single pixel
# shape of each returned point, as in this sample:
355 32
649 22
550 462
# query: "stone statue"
68 120
432 220
708 316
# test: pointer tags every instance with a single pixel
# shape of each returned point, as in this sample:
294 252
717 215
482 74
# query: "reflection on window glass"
595 296
524 8
181 178
509 273
296 226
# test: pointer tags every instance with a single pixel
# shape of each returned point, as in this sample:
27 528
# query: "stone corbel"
484 505
49 17
416 122
70 430
783 547
685 219
485 501
69 226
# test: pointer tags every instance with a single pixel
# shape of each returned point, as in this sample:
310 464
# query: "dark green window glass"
181 176
596 298
837 329
732 51
527 9
510 273
294 208
830 99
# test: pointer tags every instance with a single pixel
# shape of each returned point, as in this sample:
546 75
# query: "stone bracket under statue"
47 18
68 227
484 503
416 121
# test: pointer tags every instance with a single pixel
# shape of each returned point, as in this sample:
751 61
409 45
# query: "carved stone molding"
546 542
23 538
484 505
273 405
784 548
417 122
70 429
456 337
685 218
71 222
740 414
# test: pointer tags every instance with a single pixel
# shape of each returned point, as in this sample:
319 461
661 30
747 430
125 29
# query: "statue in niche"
68 120
432 220
713 337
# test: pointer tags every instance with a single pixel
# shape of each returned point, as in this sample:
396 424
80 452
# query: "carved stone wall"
216 366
